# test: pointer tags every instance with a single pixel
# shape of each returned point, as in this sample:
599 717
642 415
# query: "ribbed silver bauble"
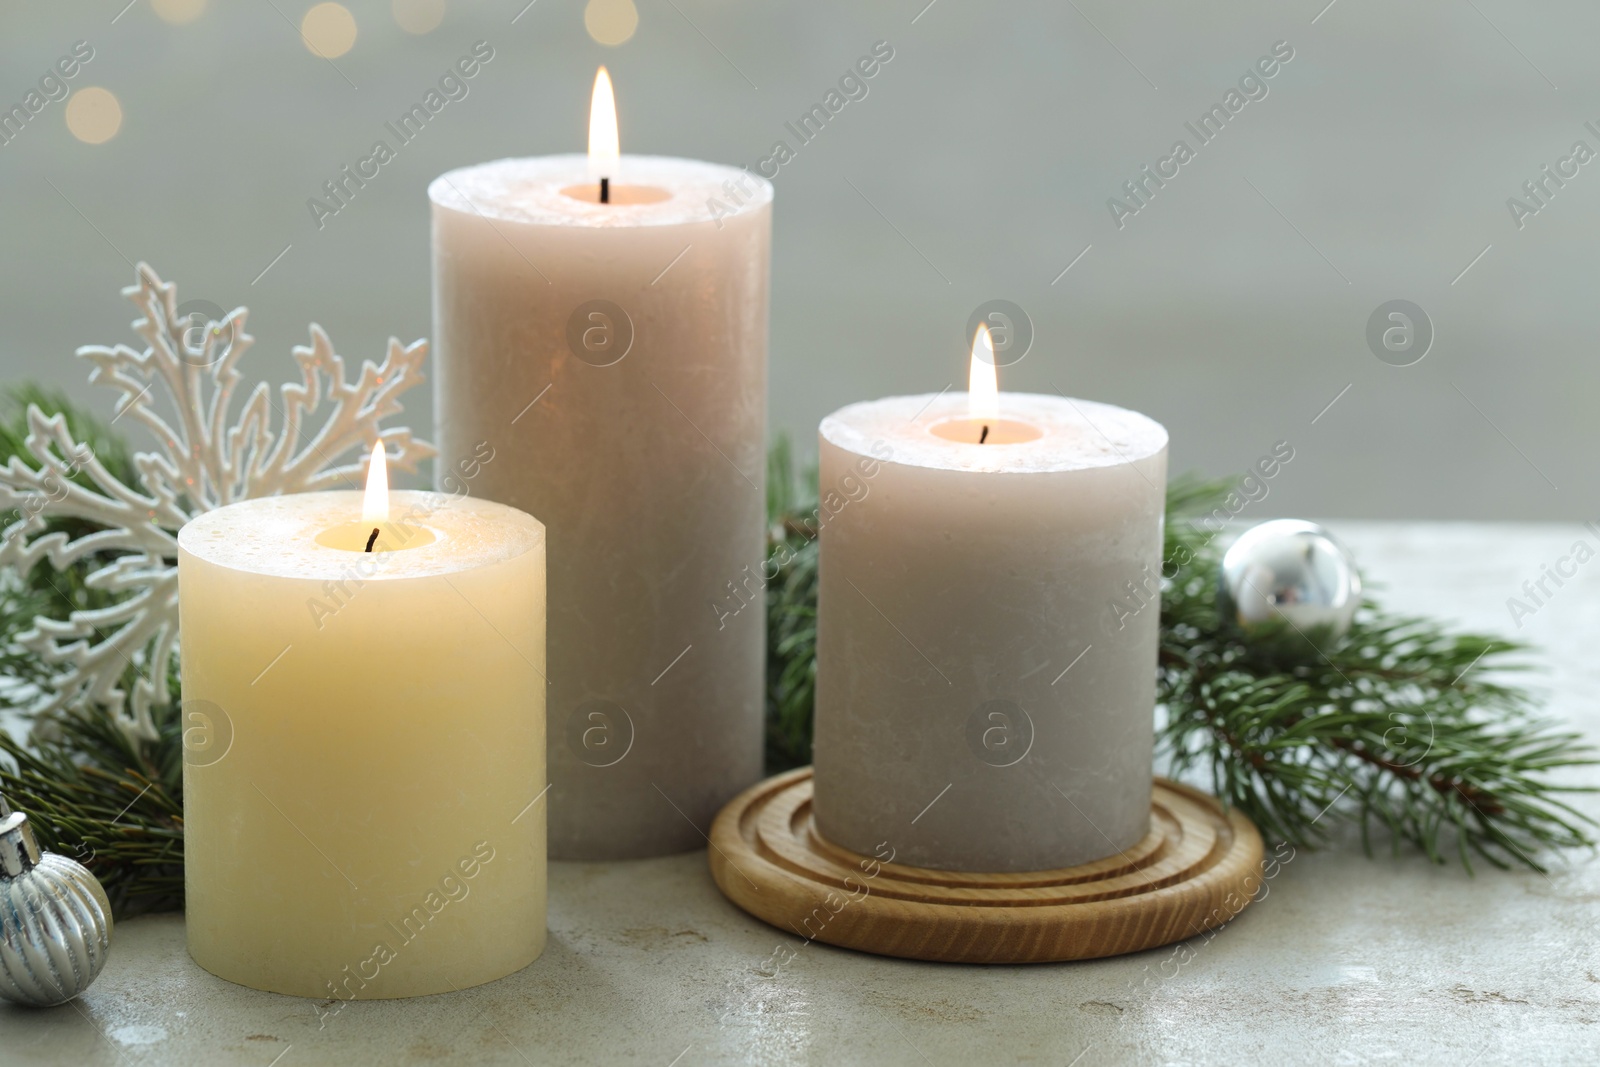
1290 586
55 920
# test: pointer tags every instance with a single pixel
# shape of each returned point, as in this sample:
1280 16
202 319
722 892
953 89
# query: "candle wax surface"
612 357
363 738
554 191
987 629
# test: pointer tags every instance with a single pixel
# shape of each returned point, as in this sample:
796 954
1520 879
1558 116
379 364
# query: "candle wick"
372 538
984 436
605 190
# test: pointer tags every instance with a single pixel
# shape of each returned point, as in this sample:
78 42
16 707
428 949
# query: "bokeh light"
94 115
329 30
178 12
418 16
611 22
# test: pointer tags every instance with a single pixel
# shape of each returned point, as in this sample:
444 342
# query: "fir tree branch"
791 609
119 812
1402 727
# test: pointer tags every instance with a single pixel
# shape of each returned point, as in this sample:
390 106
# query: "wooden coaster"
1196 869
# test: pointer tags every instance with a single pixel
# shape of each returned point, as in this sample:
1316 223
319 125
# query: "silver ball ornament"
1290 586
55 920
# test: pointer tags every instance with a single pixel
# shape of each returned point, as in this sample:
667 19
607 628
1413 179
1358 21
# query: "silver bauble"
1290 586
55 920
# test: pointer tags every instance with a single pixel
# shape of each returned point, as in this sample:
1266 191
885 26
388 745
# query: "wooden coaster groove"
1197 868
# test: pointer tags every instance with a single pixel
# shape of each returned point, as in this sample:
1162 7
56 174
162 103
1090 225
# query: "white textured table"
1347 960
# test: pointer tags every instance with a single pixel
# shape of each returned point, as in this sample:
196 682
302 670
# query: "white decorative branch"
207 458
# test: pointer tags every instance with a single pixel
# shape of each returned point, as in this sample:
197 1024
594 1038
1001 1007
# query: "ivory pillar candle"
615 356
987 628
364 741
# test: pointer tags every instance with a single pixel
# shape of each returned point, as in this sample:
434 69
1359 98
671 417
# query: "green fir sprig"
791 609
1404 726
93 797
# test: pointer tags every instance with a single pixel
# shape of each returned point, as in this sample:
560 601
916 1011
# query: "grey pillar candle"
987 629
613 356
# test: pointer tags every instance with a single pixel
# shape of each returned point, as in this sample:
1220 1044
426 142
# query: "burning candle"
987 626
363 702
602 321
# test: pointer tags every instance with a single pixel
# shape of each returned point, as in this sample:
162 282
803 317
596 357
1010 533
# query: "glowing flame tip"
605 152
983 385
375 504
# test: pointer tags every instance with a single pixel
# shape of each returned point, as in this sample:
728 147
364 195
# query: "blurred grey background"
1233 306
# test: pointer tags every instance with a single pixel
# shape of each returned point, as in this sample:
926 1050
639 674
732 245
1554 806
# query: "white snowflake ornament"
208 459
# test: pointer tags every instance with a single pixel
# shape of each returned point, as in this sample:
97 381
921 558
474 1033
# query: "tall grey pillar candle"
613 357
987 630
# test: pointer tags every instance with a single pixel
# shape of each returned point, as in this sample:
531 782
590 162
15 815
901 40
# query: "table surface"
1347 959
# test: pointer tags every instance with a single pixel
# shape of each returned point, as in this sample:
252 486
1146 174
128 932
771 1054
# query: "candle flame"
604 150
375 505
983 385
